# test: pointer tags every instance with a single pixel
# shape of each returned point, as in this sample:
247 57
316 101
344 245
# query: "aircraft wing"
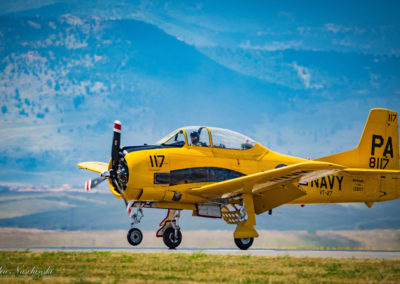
276 180
98 167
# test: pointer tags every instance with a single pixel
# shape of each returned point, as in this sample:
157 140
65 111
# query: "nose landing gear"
169 231
135 235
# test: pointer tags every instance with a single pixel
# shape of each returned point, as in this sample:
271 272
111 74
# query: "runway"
380 254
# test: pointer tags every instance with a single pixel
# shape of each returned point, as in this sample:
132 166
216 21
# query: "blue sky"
299 78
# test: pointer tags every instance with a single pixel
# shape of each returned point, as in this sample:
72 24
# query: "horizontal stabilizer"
358 171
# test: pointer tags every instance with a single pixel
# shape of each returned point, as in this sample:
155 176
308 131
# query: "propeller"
93 183
115 148
118 173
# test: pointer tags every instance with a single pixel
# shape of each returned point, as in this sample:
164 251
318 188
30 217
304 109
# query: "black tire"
134 236
169 238
244 244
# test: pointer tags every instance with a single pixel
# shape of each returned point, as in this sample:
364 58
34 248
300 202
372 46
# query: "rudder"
379 144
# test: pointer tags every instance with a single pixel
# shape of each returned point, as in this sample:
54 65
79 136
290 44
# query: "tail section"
378 147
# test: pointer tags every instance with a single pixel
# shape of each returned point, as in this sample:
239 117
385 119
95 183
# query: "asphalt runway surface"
381 254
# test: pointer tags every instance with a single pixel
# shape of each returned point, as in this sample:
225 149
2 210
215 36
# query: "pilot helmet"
194 134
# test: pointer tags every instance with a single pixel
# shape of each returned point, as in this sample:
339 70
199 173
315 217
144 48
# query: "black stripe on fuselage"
194 175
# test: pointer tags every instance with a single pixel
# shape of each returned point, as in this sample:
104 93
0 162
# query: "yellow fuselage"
151 179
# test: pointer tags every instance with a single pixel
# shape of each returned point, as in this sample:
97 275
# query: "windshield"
176 137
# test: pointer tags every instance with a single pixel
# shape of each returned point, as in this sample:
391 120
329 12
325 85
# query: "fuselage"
157 172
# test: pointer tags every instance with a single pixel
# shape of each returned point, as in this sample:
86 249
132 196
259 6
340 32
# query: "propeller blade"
116 144
92 183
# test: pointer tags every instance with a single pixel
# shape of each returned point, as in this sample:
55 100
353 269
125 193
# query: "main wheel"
244 243
134 236
169 238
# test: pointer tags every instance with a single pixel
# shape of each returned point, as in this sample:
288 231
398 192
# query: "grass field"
112 267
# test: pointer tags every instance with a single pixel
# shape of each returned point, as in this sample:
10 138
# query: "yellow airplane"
218 173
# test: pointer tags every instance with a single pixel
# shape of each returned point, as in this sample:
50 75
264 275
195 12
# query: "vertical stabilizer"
379 144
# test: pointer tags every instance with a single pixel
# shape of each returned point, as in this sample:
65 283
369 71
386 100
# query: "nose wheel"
134 236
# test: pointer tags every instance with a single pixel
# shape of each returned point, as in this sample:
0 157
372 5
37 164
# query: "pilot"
194 137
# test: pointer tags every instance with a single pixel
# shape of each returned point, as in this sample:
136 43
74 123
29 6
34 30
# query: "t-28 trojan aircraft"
218 173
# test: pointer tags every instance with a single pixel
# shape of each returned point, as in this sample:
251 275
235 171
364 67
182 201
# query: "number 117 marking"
392 117
158 159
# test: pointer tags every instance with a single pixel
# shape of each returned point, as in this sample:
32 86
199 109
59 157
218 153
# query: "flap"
98 167
259 182
276 196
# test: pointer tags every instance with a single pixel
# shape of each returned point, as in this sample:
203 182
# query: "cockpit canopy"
205 136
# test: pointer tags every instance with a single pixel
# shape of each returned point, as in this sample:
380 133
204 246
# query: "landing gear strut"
170 230
135 236
245 233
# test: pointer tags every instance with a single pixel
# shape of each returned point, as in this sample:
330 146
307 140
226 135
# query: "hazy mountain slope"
63 76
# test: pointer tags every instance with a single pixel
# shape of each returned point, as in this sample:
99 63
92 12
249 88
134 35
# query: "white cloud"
71 20
303 73
344 42
97 58
98 87
71 42
287 15
333 28
272 46
353 205
330 28
374 80
34 25
19 187
305 76
52 25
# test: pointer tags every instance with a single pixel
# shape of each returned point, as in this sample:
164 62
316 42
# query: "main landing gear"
243 215
244 244
172 237
170 230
